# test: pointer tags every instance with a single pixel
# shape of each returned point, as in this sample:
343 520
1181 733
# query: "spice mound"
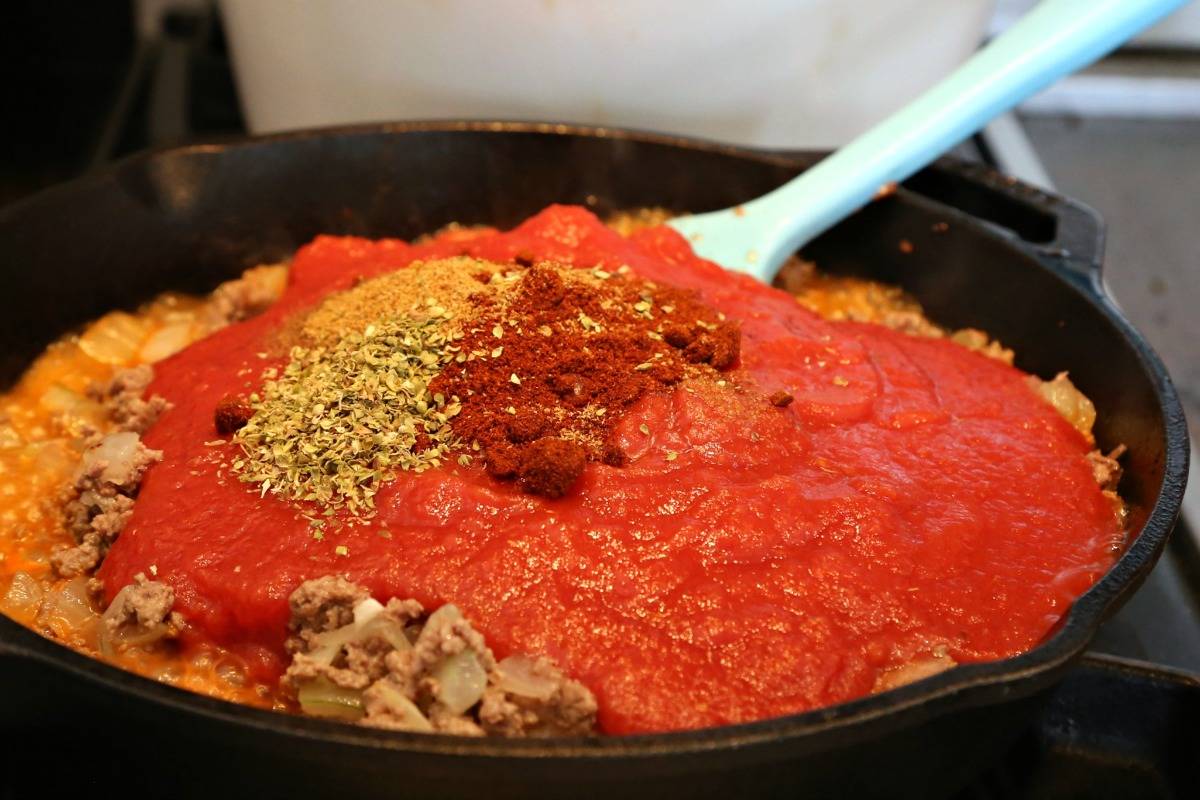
529 366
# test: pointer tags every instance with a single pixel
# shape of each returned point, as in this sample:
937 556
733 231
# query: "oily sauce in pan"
912 499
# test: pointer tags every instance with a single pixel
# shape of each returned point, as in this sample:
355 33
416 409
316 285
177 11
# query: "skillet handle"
1064 232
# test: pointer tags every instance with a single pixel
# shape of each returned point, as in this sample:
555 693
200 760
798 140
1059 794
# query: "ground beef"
141 609
245 297
359 663
322 604
99 502
122 399
81 559
304 669
1106 469
398 685
568 710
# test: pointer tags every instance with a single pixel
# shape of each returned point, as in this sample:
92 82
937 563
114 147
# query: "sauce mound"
845 500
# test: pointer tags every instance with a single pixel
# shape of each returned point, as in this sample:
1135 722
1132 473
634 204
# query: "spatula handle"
1054 39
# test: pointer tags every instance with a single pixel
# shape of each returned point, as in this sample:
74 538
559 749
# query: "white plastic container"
776 73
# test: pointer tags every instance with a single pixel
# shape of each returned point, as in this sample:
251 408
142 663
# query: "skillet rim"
963 687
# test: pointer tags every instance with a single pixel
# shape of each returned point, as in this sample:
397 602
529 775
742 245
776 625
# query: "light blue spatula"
1054 39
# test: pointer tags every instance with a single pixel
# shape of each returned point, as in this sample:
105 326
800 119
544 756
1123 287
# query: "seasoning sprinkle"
339 421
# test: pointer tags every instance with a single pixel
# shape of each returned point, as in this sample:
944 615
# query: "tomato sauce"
915 497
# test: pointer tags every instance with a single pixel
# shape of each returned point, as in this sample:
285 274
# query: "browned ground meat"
122 399
320 605
245 297
1105 468
568 708
141 609
395 659
100 500
359 663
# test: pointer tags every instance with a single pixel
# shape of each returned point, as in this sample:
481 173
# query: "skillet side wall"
187 219
124 741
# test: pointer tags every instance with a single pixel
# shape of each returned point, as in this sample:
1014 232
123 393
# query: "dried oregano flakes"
342 420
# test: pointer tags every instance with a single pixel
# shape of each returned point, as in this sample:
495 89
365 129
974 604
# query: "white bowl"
775 73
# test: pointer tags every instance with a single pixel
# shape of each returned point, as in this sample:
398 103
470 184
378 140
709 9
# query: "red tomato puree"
915 496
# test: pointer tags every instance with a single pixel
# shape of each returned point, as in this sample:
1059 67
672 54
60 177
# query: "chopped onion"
365 611
117 450
1075 407
400 706
24 594
387 628
368 622
165 342
61 400
461 681
519 675
330 643
114 338
448 612
68 609
322 699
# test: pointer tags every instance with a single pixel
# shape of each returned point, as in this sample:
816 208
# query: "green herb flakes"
341 420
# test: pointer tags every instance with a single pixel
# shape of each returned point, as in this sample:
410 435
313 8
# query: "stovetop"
1124 723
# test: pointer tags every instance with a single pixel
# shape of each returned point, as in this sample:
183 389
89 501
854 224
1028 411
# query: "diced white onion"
24 594
518 675
68 610
387 628
449 612
365 611
61 400
330 643
166 342
461 681
114 338
323 699
1074 406
409 715
117 450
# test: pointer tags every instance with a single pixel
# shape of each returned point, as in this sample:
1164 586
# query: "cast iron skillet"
985 251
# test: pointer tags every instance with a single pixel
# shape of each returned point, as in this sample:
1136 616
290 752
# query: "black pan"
985 251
